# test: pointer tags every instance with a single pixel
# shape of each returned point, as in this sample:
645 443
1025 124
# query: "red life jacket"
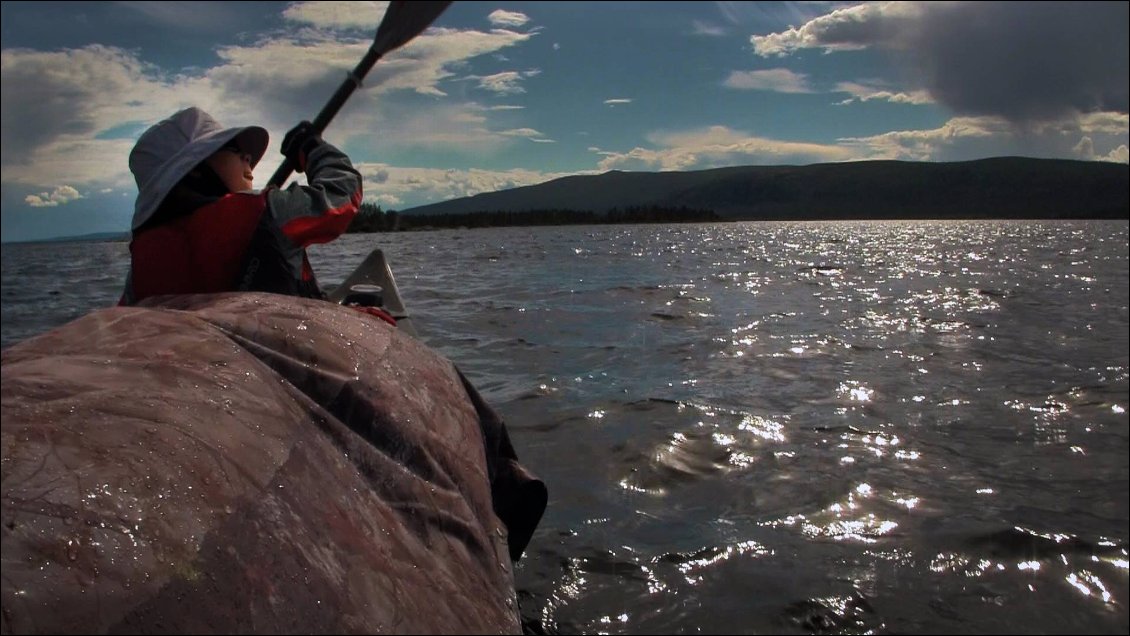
223 246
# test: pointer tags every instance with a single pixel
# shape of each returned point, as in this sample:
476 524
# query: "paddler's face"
233 166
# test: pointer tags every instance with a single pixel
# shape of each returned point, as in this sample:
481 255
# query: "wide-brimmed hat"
166 153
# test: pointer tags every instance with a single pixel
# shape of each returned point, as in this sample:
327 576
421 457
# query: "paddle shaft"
402 22
351 83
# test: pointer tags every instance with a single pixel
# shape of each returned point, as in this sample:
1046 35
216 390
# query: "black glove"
299 142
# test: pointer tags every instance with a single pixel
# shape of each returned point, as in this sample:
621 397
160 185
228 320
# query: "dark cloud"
37 108
1025 61
78 92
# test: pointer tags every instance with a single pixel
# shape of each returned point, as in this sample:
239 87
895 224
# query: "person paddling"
198 227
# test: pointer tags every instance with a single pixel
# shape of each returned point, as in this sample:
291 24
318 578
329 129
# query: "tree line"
371 218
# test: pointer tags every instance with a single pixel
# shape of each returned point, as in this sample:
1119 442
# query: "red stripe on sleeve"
308 230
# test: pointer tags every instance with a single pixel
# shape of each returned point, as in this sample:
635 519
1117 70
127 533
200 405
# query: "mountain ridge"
997 187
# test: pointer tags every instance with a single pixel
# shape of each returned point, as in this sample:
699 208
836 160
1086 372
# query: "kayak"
250 462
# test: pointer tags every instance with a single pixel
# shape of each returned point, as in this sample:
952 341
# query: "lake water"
775 427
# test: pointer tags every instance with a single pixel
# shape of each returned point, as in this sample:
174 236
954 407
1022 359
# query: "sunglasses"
234 148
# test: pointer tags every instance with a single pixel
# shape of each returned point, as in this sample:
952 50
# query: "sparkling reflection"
845 521
1089 585
716 442
855 391
691 565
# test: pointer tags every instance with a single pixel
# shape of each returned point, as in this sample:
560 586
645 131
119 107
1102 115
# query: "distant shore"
473 221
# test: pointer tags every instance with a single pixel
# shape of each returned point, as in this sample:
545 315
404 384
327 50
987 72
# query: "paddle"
402 22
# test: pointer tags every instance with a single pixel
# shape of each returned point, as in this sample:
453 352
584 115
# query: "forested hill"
1004 187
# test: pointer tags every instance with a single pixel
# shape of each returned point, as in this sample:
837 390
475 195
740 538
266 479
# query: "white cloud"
1104 123
444 126
59 196
505 83
266 72
705 28
402 187
456 129
92 163
47 139
522 132
959 139
1085 149
778 80
336 14
618 100
498 17
965 138
426 60
1120 154
865 92
386 201
926 145
718 146
201 17
845 29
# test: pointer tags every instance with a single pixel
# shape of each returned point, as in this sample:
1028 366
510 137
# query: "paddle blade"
404 21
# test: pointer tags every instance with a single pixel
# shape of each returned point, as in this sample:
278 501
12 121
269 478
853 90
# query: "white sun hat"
166 153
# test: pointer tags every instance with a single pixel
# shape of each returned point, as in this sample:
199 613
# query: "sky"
497 95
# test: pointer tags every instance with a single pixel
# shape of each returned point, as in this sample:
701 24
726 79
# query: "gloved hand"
299 142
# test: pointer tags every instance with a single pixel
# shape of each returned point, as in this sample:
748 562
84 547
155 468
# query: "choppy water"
746 428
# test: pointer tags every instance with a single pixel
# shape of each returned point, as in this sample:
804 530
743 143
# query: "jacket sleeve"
321 211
